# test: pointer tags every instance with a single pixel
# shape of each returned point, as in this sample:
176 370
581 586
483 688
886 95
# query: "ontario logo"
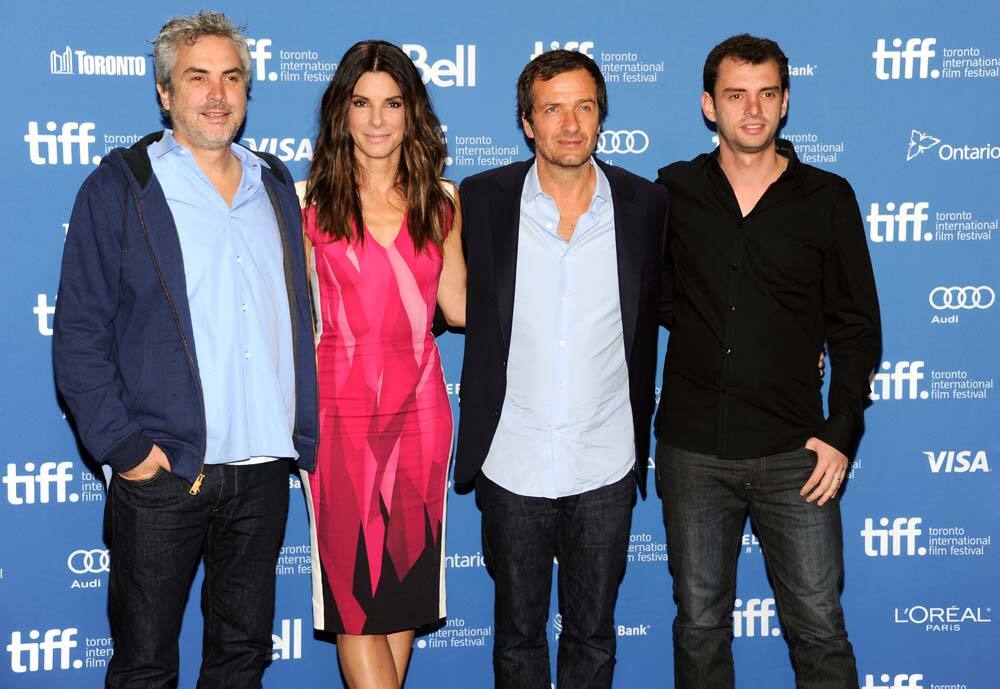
921 142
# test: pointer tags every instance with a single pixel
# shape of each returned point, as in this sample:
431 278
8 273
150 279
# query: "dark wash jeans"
705 504
589 534
157 534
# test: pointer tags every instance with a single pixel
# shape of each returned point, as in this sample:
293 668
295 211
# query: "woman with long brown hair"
385 231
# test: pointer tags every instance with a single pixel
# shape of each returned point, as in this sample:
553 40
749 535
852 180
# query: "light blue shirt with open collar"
239 304
566 423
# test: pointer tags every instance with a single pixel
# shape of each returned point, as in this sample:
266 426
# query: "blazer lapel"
505 214
629 222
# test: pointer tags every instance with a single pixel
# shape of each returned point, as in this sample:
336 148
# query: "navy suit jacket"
491 203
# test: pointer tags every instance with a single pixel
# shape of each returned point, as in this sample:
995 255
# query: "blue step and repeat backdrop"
902 98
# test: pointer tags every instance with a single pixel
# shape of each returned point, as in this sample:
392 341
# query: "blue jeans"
157 534
588 533
705 504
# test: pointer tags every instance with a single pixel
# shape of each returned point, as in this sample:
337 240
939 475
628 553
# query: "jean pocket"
142 481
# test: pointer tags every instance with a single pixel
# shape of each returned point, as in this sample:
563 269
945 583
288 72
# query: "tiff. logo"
21 488
902 681
756 618
41 655
899 63
901 382
906 223
44 149
895 540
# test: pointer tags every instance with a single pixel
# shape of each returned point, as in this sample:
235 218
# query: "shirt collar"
783 147
168 143
533 187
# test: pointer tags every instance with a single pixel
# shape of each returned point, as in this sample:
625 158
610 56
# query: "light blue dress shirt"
239 305
566 424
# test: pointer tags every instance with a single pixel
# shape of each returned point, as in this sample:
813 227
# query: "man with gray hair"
183 348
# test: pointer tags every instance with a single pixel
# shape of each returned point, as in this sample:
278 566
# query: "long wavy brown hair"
333 177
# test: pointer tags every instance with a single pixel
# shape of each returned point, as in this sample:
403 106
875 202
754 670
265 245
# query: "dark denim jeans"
705 504
157 534
588 533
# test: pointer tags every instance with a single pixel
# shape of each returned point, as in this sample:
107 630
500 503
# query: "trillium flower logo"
920 142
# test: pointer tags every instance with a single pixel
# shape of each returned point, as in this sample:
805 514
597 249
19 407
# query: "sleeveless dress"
377 496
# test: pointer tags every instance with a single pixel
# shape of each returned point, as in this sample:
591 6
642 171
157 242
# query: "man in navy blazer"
557 391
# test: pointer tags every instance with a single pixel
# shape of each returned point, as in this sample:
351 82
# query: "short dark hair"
551 64
745 48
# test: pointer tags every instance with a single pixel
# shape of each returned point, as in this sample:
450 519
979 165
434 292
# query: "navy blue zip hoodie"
123 347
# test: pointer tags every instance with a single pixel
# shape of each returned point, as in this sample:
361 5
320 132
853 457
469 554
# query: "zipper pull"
196 486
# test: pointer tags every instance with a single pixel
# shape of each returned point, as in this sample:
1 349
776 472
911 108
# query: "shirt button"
739 225
562 386
734 267
243 307
564 300
732 307
729 351
548 225
246 354
562 343
558 433
239 259
562 259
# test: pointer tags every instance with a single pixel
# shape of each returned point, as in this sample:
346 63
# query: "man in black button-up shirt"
769 262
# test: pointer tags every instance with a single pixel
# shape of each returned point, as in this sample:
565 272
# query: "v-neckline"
394 239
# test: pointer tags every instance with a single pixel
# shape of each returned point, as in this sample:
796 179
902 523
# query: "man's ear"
708 106
526 126
164 97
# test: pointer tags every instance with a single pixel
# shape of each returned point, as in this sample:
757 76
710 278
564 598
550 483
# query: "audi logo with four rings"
89 561
954 298
635 141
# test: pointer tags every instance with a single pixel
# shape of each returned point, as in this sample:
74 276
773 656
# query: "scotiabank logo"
887 681
43 651
444 72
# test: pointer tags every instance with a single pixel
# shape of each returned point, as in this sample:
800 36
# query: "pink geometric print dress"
377 497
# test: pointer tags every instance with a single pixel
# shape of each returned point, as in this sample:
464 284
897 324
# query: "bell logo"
899 63
905 224
585 47
21 488
958 462
445 73
288 644
35 655
894 682
756 618
898 539
899 382
45 149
